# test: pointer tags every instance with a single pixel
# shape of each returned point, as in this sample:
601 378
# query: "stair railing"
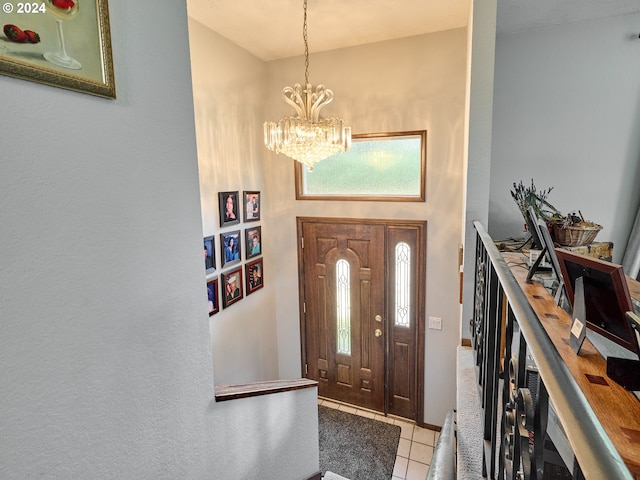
521 376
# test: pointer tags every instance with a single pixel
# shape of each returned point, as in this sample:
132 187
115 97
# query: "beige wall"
228 87
409 84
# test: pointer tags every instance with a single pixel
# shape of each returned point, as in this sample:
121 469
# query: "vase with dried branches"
526 196
568 230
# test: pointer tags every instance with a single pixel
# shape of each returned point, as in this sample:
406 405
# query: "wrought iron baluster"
520 434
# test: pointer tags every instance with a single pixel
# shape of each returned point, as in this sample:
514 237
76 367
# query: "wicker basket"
575 236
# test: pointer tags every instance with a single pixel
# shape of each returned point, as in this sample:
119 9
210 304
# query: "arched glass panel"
343 305
403 285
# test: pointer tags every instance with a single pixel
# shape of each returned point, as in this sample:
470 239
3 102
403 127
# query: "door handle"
378 332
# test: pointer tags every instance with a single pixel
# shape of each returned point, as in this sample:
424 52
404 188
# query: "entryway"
415 449
362 297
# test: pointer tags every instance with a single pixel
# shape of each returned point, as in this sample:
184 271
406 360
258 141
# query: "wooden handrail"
233 392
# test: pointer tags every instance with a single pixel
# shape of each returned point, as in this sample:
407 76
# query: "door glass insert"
403 285
343 306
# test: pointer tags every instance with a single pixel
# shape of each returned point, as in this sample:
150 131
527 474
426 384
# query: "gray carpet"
469 418
333 476
356 447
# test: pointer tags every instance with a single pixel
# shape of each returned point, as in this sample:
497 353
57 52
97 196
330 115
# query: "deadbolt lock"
378 318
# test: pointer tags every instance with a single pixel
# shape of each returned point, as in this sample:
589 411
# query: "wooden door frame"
421 264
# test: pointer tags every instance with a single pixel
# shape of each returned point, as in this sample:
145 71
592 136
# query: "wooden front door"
360 328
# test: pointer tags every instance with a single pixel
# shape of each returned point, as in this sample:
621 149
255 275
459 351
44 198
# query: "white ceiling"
271 29
521 15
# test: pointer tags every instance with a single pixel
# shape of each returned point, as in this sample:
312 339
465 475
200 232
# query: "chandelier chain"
306 46
306 137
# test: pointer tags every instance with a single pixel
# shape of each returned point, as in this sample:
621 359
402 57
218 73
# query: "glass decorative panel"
343 314
403 285
389 166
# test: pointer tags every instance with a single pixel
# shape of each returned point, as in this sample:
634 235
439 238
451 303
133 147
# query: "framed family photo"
63 43
209 254
229 211
252 206
253 242
230 248
254 275
232 287
212 295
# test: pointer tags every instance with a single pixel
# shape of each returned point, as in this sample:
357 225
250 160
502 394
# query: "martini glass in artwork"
62 10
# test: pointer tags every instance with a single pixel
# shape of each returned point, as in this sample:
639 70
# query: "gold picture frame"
67 46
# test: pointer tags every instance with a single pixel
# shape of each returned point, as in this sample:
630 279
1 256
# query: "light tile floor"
414 450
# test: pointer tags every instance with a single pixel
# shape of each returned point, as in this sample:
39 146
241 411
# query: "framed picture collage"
236 279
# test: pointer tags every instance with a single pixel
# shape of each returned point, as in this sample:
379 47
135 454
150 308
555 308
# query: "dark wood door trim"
421 231
412 339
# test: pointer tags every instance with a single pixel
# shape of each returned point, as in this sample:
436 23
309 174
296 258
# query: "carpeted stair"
469 418
333 476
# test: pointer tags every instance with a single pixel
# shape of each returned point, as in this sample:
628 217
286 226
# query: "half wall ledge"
233 392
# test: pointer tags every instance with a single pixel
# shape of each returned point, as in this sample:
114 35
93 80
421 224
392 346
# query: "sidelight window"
403 285
343 306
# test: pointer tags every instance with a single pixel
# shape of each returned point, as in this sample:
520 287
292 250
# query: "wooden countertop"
634 289
617 409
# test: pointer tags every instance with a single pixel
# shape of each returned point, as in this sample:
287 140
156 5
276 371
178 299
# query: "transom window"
379 166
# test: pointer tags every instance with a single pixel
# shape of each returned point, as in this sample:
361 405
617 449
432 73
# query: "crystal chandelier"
306 137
